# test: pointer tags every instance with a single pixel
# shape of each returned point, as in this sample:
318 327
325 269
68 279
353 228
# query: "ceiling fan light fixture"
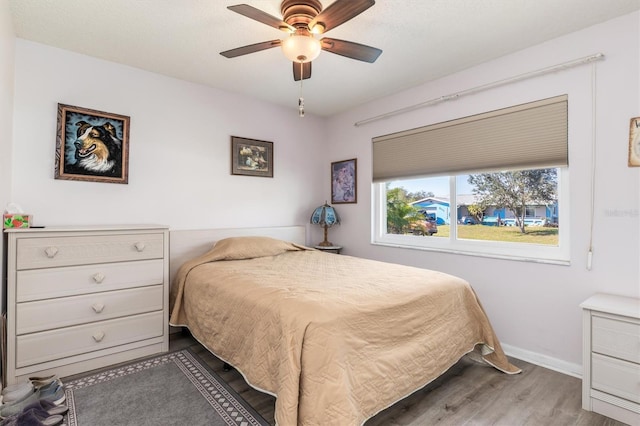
301 48
318 28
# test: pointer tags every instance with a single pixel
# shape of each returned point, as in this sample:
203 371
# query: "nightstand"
611 360
329 249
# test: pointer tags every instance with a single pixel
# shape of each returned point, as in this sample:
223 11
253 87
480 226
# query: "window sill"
460 252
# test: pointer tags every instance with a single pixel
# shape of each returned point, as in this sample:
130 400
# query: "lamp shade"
325 215
301 48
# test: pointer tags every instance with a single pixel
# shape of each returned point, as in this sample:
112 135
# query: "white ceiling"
421 40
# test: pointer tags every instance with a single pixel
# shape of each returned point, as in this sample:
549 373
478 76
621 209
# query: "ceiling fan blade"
260 16
350 49
251 48
306 71
338 13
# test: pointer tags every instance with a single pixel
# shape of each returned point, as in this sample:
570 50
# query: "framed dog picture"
344 181
251 157
92 145
634 142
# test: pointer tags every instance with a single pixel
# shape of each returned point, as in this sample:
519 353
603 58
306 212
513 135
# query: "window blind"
531 135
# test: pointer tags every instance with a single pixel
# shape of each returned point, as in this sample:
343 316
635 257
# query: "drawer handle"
98 336
139 246
98 277
97 307
51 252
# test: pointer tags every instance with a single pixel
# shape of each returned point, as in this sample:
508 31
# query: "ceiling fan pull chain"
301 98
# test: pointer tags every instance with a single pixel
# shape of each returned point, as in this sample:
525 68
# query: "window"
505 203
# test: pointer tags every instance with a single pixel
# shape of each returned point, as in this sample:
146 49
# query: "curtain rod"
553 68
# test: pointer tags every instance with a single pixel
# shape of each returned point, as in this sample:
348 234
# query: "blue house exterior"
435 207
439 208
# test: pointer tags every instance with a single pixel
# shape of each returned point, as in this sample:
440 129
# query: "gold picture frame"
251 157
92 145
634 142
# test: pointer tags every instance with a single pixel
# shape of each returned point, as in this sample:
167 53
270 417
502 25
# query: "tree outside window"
516 190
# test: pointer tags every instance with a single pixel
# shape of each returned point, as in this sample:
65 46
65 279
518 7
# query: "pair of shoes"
34 381
49 407
17 393
33 417
52 393
20 391
37 414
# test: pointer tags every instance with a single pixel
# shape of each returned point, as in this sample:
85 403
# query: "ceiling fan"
302 19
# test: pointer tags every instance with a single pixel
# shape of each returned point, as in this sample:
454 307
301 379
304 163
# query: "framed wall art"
92 145
634 142
344 181
251 157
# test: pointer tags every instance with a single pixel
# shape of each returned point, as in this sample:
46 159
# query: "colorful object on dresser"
325 216
14 217
16 220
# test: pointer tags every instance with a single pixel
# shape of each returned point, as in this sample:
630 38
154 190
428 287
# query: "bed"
335 338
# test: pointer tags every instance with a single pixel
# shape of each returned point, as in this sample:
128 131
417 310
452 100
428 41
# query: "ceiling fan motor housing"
299 13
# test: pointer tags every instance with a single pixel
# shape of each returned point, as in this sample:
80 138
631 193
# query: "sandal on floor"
17 393
33 382
33 417
48 407
53 393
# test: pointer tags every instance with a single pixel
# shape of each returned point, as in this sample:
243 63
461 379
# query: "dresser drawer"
620 339
63 312
616 377
37 284
82 250
36 348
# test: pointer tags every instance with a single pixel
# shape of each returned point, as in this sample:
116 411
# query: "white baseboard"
545 361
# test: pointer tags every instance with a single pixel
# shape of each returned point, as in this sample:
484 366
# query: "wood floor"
470 393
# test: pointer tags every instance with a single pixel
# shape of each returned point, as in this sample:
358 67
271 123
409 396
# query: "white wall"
7 59
179 168
533 307
7 55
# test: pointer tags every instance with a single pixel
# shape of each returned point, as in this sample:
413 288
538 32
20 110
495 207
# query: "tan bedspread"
335 338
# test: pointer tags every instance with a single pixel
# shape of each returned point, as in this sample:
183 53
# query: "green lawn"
533 235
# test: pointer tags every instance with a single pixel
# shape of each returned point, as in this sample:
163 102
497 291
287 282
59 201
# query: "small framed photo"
251 157
634 142
92 145
344 181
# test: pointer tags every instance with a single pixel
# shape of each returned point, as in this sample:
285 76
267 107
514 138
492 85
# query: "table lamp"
325 216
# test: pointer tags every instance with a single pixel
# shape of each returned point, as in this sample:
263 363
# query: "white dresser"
611 357
85 297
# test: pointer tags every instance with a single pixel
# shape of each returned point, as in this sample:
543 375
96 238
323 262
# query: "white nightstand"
611 357
330 249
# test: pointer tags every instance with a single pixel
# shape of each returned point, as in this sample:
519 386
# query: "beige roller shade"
532 135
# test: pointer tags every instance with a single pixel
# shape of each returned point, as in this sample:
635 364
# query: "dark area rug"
175 388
